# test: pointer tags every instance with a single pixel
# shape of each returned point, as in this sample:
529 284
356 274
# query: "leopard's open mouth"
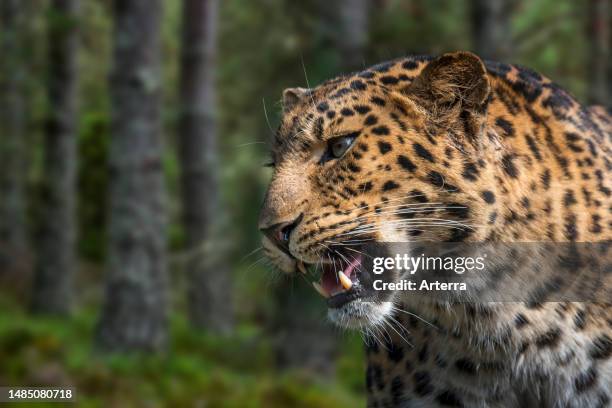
343 277
340 281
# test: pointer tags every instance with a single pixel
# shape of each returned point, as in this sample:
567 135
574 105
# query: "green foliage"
551 38
233 371
418 27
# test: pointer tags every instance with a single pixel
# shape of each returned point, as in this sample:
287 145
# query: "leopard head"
396 153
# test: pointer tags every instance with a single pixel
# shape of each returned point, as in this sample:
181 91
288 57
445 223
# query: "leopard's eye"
338 146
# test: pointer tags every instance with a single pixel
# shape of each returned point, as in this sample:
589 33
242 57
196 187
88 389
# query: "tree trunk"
599 65
12 143
491 29
209 279
351 34
134 316
54 271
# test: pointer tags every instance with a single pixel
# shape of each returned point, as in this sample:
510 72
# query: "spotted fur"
513 156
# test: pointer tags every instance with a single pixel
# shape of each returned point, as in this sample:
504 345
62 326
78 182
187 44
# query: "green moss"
230 371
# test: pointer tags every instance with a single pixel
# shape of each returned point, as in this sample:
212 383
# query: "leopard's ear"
457 79
292 96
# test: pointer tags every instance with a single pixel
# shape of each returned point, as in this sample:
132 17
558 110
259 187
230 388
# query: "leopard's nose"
281 232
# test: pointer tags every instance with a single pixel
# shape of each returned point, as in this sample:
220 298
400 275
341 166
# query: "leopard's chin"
360 314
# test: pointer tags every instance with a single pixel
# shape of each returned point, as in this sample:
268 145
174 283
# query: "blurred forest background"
132 138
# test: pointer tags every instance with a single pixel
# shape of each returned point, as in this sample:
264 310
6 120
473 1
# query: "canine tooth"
320 289
345 280
301 267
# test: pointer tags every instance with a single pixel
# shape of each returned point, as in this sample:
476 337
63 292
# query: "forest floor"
198 369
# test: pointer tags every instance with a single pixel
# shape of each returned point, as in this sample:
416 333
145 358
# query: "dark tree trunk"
134 316
56 253
351 34
12 142
209 279
491 29
599 65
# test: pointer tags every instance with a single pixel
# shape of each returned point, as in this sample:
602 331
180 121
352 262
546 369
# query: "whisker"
263 102
306 78
253 252
398 333
396 308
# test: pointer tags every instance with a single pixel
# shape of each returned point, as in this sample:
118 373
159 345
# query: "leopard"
452 149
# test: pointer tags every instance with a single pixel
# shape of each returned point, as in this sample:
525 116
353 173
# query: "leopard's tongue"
339 277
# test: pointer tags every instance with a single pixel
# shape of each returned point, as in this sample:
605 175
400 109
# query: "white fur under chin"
360 314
